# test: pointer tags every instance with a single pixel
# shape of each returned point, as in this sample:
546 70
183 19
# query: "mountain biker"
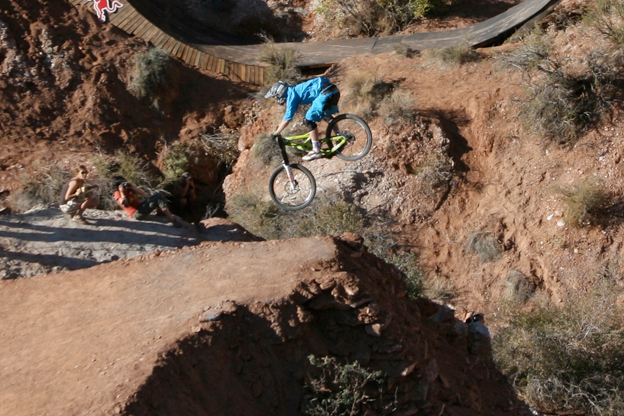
76 197
320 92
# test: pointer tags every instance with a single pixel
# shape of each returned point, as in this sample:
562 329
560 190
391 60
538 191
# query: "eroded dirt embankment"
225 328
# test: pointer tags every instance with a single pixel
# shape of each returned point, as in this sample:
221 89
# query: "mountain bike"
292 186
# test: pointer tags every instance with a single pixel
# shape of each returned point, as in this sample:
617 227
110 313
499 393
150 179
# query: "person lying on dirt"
139 206
76 197
320 92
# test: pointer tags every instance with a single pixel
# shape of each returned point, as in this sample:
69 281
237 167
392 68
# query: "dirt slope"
225 328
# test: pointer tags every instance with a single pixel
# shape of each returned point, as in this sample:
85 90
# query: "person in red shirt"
139 206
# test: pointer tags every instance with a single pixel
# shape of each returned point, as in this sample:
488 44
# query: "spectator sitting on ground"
139 206
76 197
183 194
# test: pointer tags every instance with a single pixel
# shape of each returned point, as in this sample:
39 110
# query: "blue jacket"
310 92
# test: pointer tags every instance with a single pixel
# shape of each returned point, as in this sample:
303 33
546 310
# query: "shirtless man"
76 197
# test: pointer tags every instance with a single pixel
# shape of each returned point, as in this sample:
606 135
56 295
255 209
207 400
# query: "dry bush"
405 50
265 150
343 389
372 17
484 245
517 288
435 172
586 204
41 188
439 288
265 219
454 55
607 16
567 360
282 63
397 107
562 102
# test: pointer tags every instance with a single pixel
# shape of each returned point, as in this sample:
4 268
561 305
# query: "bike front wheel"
356 132
294 194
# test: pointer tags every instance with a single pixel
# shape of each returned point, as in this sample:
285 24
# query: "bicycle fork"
286 164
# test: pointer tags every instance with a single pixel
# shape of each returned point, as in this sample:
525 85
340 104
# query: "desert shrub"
329 217
435 172
265 149
517 288
484 245
151 75
454 55
223 147
41 188
282 63
397 107
371 17
607 16
176 161
371 96
383 245
342 389
567 360
562 104
586 203
259 217
265 219
439 288
405 50
135 169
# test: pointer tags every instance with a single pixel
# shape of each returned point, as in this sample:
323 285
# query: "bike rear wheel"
287 195
357 132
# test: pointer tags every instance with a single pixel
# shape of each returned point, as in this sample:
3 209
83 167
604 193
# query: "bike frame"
303 142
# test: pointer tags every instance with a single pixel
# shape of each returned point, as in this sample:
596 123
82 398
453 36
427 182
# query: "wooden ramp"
225 54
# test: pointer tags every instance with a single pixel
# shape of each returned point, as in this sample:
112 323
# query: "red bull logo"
105 6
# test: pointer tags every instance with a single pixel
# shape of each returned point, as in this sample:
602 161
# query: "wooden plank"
186 56
182 50
125 15
142 28
176 48
210 64
151 33
120 15
190 58
203 61
169 44
136 23
160 39
133 17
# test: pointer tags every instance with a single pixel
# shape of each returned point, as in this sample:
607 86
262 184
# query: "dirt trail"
225 328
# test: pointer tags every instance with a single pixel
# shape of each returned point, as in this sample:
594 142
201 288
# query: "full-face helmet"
278 90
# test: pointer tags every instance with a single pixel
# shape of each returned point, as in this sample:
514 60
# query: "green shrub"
484 245
151 75
567 360
136 170
176 161
259 217
342 389
282 63
586 203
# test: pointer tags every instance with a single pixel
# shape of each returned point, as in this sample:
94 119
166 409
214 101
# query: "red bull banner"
105 6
